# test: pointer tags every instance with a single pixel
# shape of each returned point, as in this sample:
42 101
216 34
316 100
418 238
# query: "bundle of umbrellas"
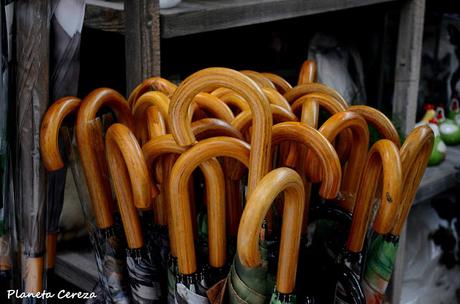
282 207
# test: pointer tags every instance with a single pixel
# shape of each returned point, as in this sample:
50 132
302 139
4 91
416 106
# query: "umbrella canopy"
381 256
383 156
132 188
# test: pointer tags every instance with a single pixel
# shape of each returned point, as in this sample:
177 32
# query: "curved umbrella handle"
280 83
379 121
324 151
89 140
234 100
307 88
308 72
258 78
130 180
49 131
139 110
277 181
383 154
208 80
181 214
152 84
215 106
336 124
274 97
415 153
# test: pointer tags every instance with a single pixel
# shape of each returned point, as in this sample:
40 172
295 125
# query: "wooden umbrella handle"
210 127
274 97
235 101
379 121
259 202
49 131
383 154
280 83
306 88
152 84
258 78
139 110
130 180
331 129
209 79
415 153
180 174
89 140
215 106
320 146
308 72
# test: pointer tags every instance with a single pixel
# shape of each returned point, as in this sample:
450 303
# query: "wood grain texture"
383 156
49 131
90 146
308 72
142 41
208 80
181 213
274 97
408 58
151 84
306 88
259 202
281 84
130 180
320 146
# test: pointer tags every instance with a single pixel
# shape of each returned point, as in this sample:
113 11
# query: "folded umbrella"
280 83
381 255
383 156
108 244
131 181
151 84
275 182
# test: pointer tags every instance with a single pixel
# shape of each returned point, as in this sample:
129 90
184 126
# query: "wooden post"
408 60
142 41
32 37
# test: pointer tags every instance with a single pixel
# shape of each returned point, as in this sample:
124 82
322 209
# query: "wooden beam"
408 58
142 41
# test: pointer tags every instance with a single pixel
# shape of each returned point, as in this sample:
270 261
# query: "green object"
379 267
438 153
448 128
454 111
278 298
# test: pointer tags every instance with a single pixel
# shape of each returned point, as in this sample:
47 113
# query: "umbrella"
381 255
258 204
184 166
259 79
308 72
280 83
132 189
383 156
50 153
166 144
151 84
110 256
328 221
249 285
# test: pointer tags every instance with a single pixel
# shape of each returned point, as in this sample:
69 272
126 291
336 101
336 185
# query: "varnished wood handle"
306 88
235 102
181 215
379 121
49 131
277 181
208 80
90 145
139 110
320 146
308 72
214 106
358 126
152 84
415 153
274 97
258 78
383 154
130 179
280 83
33 274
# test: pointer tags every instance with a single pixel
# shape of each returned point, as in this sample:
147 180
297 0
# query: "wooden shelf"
198 16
